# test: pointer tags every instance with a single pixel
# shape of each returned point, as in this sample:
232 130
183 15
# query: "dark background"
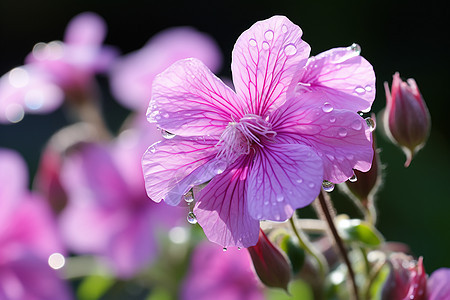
409 37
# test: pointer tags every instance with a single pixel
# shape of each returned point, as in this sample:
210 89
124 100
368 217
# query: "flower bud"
270 265
407 279
406 120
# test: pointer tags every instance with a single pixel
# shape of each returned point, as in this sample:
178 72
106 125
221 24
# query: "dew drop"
268 35
357 125
188 197
299 180
327 186
290 49
239 248
191 218
342 132
327 107
252 42
350 156
266 202
224 249
353 178
371 123
311 185
356 48
360 90
265 45
368 88
277 217
332 119
220 167
280 198
167 135
284 29
152 149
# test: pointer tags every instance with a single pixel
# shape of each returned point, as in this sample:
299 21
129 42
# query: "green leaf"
94 287
295 254
159 294
355 230
298 289
377 285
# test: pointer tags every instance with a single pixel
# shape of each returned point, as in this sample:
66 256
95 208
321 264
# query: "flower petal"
222 208
264 60
283 178
346 79
172 167
85 29
340 137
13 180
189 100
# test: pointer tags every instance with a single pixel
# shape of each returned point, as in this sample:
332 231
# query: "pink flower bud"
407 279
270 265
406 120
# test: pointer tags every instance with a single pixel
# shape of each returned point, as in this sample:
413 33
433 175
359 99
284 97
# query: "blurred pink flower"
215 274
265 154
55 68
438 287
406 119
108 213
132 75
28 236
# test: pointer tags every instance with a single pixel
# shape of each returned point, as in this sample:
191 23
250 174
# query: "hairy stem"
327 211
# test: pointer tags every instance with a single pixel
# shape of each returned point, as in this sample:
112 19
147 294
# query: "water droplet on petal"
356 48
311 185
265 45
290 49
266 202
332 119
353 178
239 248
280 198
252 42
342 132
327 186
277 217
152 149
371 123
350 156
220 166
167 135
188 197
357 125
299 180
268 35
327 107
368 88
360 90
224 249
284 29
191 218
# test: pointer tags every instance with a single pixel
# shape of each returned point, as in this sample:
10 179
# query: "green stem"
327 210
309 248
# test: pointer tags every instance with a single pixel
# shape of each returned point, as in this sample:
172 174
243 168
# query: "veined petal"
340 137
283 178
222 209
172 167
189 100
345 78
264 60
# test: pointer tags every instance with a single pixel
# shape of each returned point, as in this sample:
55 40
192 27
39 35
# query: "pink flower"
265 154
438 287
108 213
27 238
406 120
219 275
132 76
56 68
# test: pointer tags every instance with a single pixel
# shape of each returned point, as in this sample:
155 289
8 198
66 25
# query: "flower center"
240 137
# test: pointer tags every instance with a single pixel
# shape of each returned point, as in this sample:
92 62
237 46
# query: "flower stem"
326 210
309 248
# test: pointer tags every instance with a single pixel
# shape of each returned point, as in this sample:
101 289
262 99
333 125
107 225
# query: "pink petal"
172 167
86 29
132 76
189 100
222 208
345 78
265 58
26 89
283 178
340 137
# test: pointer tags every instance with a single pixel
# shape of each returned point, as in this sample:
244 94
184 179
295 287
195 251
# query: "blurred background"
405 36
